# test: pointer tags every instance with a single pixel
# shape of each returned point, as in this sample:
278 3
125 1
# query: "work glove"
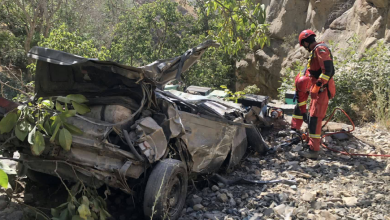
295 96
315 90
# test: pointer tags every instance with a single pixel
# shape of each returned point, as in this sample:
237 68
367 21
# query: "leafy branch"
242 24
45 119
235 96
88 206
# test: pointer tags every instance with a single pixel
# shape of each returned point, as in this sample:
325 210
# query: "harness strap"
312 53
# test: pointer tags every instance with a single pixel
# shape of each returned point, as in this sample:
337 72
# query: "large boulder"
261 69
287 17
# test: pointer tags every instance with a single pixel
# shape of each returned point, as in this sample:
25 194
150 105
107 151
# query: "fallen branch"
62 181
5 84
8 140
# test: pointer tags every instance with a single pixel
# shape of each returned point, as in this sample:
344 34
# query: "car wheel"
166 190
42 179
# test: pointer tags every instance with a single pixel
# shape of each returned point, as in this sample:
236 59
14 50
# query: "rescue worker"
320 69
302 87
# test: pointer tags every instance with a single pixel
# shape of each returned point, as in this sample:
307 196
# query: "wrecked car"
135 132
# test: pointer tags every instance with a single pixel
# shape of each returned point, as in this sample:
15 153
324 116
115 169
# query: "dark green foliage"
131 33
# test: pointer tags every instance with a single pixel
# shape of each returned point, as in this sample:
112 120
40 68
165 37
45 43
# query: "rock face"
336 20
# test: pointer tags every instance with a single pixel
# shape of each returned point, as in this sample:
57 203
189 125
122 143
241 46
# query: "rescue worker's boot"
310 154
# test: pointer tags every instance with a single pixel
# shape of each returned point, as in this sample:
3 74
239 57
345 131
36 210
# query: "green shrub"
363 83
287 81
72 42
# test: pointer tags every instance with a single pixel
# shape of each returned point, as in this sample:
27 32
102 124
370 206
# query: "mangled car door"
209 142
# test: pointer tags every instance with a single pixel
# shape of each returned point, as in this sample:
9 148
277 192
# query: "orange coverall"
302 86
320 70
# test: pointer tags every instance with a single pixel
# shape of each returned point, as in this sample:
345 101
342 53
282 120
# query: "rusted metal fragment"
96 156
239 147
255 140
171 123
253 117
103 148
181 147
60 73
151 139
94 131
209 142
164 71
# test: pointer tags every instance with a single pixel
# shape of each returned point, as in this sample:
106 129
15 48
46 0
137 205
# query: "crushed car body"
133 125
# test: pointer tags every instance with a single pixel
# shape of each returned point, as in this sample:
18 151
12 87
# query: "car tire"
166 190
42 179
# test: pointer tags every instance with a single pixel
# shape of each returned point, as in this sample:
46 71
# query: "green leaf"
48 103
77 217
40 126
55 120
77 98
53 137
24 126
39 144
8 122
59 107
95 206
68 113
84 211
73 129
3 179
21 135
65 139
31 135
30 117
94 215
80 108
85 201
63 99
55 212
47 127
71 209
104 214
64 214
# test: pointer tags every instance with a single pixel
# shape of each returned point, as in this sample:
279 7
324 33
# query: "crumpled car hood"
61 73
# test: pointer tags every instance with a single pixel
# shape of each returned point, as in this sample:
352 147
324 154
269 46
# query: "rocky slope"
333 187
336 20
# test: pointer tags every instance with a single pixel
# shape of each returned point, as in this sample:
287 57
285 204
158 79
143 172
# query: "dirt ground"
333 187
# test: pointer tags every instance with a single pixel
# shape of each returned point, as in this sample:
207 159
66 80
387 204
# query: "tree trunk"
47 29
232 85
27 43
